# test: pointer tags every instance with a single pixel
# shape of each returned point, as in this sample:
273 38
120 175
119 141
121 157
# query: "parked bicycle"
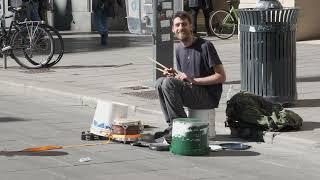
32 44
223 23
58 49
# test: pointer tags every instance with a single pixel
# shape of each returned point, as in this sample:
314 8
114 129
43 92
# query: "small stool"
207 115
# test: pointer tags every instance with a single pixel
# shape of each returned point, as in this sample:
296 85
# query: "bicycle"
223 23
58 49
45 41
26 42
58 45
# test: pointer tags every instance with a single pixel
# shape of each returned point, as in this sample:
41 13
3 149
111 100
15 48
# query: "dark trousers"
194 15
174 94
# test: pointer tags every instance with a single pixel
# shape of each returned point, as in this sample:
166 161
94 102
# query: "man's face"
182 28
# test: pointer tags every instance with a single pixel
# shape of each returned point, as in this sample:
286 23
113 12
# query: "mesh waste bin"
268 53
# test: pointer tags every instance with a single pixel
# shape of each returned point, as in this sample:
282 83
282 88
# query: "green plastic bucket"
189 137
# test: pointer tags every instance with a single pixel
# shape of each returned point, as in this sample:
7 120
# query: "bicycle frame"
233 12
234 15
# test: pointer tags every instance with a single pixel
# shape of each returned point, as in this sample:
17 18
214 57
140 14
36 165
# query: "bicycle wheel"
58 45
222 24
32 47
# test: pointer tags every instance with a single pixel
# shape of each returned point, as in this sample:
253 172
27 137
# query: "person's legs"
104 30
101 25
170 95
206 13
169 92
175 94
194 15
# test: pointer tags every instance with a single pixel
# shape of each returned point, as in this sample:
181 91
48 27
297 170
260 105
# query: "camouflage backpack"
248 115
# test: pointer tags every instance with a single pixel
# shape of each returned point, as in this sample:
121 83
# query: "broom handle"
82 145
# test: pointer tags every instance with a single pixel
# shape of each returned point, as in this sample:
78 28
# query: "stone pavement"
122 73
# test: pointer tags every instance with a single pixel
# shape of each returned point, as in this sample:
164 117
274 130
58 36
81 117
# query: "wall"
81 15
308 22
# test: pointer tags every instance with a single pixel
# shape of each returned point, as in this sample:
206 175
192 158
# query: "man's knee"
159 81
170 83
167 83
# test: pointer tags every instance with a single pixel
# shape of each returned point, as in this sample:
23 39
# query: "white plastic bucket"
104 116
205 115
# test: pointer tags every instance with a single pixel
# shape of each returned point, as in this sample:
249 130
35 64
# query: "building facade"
76 15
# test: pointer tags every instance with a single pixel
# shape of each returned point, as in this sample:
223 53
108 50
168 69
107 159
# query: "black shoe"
168 137
104 37
160 134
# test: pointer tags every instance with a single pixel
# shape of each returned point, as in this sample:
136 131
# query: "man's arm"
217 78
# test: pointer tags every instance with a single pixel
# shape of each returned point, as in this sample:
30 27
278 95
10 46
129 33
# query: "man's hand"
184 77
170 72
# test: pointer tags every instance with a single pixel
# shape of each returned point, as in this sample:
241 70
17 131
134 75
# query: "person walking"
198 82
32 7
43 8
195 6
103 9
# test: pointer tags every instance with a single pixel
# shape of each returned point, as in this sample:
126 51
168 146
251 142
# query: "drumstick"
161 70
157 63
178 72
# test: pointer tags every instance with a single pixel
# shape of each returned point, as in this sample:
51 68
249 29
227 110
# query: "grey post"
162 34
3 24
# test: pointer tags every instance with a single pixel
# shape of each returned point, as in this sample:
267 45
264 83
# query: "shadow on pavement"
310 126
307 103
89 66
11 119
231 153
308 79
228 138
43 153
90 44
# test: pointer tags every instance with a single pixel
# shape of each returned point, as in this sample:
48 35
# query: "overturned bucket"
106 113
189 137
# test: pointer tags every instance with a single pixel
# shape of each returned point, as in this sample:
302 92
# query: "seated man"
198 82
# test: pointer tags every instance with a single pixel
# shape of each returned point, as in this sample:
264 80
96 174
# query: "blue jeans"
32 11
101 21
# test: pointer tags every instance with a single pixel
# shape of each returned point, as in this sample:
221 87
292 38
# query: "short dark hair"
183 15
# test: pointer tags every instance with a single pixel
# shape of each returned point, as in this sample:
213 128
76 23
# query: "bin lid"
269 4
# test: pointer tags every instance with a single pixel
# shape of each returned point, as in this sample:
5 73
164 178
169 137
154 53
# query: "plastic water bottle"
85 159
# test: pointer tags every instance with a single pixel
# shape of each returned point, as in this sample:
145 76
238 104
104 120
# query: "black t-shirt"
198 60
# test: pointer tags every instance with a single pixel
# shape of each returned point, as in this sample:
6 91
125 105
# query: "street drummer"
197 82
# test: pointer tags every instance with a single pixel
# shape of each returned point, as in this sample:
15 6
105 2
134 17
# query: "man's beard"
183 36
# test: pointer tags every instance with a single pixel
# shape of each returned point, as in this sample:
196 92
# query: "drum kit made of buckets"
190 136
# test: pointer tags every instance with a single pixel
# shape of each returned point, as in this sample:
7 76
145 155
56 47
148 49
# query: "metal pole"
3 24
162 35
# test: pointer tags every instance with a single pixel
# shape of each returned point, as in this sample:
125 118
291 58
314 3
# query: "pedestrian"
32 7
103 9
198 82
43 8
195 6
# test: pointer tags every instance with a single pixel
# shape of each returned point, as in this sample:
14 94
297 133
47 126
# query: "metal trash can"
268 53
